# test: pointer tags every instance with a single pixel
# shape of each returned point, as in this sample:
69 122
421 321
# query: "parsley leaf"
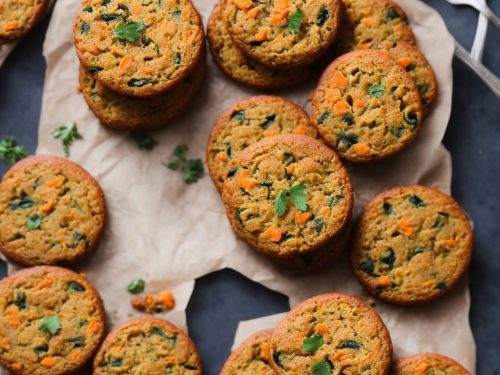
34 222
144 141
295 21
10 151
192 169
280 203
67 133
321 368
298 194
376 91
50 324
311 344
130 31
136 286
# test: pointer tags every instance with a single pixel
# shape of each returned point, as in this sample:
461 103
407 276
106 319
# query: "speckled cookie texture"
419 68
138 48
331 334
428 364
372 24
411 245
147 346
18 17
51 322
283 33
236 65
52 211
248 121
288 194
131 113
366 106
252 357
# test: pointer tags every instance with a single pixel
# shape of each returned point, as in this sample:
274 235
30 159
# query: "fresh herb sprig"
297 194
295 21
144 141
50 324
67 133
136 286
192 169
10 151
130 31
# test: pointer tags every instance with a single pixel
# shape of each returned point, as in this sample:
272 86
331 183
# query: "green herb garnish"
295 21
313 343
298 195
50 324
376 91
76 287
322 368
130 31
350 344
10 151
136 286
34 222
192 169
67 133
144 141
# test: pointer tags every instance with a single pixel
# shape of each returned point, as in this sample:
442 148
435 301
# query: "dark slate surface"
222 299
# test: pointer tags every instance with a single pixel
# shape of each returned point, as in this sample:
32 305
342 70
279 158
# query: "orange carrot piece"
265 350
341 108
44 284
56 182
359 104
221 156
405 227
383 281
303 217
76 356
428 284
324 211
48 362
291 168
167 299
261 35
125 63
9 26
337 356
405 62
16 367
93 326
321 328
47 207
361 149
339 80
299 129
243 4
280 11
274 234
252 13
422 367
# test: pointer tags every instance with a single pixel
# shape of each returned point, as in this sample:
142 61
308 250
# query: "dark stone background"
222 299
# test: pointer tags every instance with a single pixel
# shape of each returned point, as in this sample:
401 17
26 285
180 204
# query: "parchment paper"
170 233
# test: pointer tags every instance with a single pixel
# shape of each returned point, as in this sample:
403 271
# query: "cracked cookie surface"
147 346
411 245
288 194
138 48
248 121
366 106
283 33
331 334
51 322
428 364
17 18
51 210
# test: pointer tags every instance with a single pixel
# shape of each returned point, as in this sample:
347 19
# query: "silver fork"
482 7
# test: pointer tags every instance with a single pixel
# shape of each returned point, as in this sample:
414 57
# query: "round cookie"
331 334
247 122
18 17
147 346
139 49
288 194
51 321
52 211
236 65
130 113
366 106
372 24
252 357
411 245
419 68
283 33
428 364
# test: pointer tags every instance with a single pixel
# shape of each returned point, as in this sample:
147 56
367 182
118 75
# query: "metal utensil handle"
491 80
491 16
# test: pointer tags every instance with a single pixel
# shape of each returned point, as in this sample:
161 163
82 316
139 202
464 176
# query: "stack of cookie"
141 63
272 44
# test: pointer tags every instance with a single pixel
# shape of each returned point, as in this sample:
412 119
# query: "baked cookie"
366 106
287 195
247 122
252 357
236 65
428 364
131 113
331 334
51 322
372 24
412 244
419 68
147 346
141 48
17 18
51 211
283 33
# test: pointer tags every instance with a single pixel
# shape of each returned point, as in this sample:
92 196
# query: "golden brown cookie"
51 211
147 346
366 106
287 195
131 113
248 121
283 33
252 357
428 364
236 65
372 24
51 322
412 244
18 17
331 334
138 48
